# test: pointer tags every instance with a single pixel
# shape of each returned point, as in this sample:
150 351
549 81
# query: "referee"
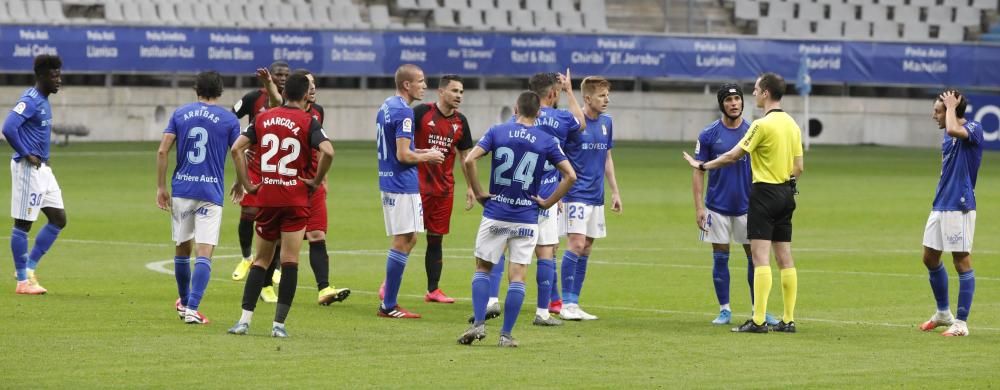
775 146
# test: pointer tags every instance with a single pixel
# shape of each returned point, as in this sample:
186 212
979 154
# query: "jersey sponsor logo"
19 108
431 123
407 125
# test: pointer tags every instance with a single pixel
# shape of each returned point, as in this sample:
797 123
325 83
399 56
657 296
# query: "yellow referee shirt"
772 142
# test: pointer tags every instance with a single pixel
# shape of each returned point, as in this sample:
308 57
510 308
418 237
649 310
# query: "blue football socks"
543 275
966 289
720 276
496 275
939 284
43 241
512 306
19 251
569 276
394 266
182 272
480 296
581 274
199 281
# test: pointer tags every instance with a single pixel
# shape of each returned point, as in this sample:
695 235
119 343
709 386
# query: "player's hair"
591 84
528 104
302 71
962 102
208 84
406 72
296 87
773 84
448 78
277 64
46 63
540 83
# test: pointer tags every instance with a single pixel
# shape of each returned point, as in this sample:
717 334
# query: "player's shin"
789 291
512 306
251 290
569 263
319 261
19 251
199 281
480 296
182 273
543 276
46 237
286 290
433 261
762 288
966 289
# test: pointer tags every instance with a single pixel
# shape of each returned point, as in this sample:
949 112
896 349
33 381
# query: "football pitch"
108 320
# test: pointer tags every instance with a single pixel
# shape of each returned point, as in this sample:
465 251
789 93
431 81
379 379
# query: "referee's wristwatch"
701 166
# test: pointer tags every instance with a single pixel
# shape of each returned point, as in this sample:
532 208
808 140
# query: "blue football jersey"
728 188
36 132
960 159
395 120
204 135
588 152
558 123
520 154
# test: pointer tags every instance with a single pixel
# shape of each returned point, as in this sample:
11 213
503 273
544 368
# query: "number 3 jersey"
519 157
204 134
284 137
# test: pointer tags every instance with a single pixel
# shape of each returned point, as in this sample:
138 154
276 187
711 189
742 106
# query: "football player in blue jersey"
722 215
28 129
510 209
952 222
558 123
397 177
203 132
589 151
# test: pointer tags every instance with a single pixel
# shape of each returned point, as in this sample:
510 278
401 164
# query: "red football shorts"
317 210
437 213
272 221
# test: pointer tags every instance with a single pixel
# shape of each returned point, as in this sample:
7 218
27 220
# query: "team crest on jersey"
454 127
407 125
19 108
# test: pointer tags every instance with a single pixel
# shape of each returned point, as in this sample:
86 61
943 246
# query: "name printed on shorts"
512 231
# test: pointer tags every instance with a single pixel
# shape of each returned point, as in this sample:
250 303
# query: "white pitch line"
160 267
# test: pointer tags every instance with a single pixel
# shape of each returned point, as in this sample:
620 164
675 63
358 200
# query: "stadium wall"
139 114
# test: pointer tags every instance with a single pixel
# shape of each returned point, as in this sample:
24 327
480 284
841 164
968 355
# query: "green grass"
108 321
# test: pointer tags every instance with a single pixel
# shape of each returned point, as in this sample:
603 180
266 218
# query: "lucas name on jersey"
201 113
196 179
522 133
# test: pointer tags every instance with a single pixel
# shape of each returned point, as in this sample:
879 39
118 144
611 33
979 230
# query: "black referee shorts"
770 215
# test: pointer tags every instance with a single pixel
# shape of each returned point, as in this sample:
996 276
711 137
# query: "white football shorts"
403 213
950 231
195 219
582 218
495 235
548 226
32 189
723 229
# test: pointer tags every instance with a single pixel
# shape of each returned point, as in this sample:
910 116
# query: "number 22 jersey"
281 134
